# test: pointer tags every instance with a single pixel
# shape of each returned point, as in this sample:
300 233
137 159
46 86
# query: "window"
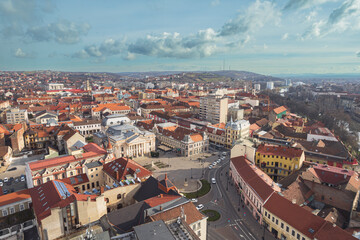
22 207
198 225
265 213
287 228
88 186
12 210
199 233
277 222
273 219
298 236
293 233
282 225
119 196
93 185
4 212
83 187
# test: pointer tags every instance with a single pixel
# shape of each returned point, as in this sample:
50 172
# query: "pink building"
254 185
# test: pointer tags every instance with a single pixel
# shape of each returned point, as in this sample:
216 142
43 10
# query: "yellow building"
279 161
289 221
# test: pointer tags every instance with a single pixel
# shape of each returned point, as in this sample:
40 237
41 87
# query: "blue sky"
268 37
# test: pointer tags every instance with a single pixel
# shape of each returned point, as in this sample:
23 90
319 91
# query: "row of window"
5 212
282 225
274 156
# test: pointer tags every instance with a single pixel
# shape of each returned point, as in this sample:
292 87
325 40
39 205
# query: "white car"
194 200
213 181
214 163
6 179
224 153
218 161
1 184
22 178
210 166
200 206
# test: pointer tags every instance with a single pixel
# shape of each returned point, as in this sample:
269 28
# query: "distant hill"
208 76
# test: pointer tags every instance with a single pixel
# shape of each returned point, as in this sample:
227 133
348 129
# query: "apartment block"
16 115
214 109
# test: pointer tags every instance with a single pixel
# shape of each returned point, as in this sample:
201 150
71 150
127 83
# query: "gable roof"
279 109
14 197
121 167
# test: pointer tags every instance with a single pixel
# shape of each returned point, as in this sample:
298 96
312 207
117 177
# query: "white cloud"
257 15
17 15
304 4
345 17
232 35
19 53
109 47
64 31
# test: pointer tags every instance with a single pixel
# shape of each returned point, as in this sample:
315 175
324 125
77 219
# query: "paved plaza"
180 169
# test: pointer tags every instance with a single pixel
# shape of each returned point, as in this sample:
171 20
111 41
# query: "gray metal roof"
153 231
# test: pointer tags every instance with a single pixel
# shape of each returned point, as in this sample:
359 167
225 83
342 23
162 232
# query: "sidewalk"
244 213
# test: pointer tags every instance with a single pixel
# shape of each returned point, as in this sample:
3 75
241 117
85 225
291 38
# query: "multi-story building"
279 161
42 171
87 127
60 210
254 186
55 86
186 142
236 130
102 110
270 85
286 220
128 140
214 109
16 115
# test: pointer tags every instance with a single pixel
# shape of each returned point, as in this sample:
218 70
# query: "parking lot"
14 172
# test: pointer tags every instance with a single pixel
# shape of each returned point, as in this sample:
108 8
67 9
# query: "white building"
112 120
15 115
55 86
257 87
214 108
128 140
270 85
87 127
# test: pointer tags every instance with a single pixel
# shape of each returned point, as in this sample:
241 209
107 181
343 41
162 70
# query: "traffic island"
212 215
205 188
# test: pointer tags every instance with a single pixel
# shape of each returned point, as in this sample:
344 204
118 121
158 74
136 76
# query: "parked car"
22 178
200 206
6 179
17 180
5 191
194 200
1 183
214 163
224 153
210 166
213 181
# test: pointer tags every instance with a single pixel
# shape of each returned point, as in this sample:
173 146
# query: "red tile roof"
162 198
330 231
47 196
294 215
192 214
121 167
330 174
289 152
279 109
247 173
91 150
14 197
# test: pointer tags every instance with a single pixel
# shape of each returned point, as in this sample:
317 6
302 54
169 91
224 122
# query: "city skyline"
268 37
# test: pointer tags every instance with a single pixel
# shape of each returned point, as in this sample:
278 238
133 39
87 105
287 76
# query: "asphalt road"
235 222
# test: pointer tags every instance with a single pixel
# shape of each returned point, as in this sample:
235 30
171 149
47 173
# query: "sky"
262 36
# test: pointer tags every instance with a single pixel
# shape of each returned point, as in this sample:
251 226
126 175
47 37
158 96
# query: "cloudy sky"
269 37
